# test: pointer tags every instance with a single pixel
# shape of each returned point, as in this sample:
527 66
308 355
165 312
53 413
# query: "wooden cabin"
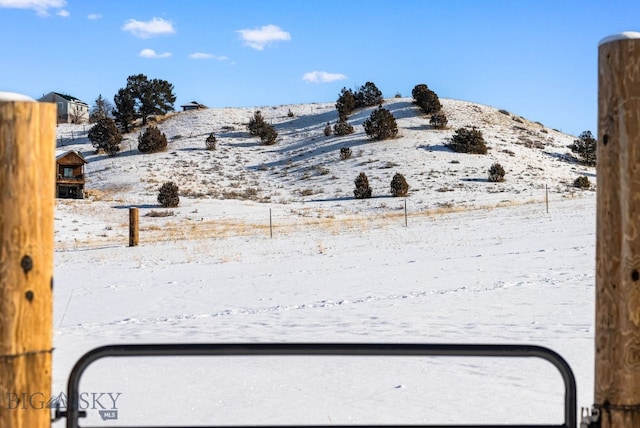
70 175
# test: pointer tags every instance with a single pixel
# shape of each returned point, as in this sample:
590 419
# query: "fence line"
273 223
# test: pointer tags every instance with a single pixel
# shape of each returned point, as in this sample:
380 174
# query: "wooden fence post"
617 335
133 227
27 192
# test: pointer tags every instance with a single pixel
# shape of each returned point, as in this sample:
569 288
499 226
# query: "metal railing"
73 412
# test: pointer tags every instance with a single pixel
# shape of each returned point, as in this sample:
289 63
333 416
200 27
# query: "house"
193 105
70 109
70 174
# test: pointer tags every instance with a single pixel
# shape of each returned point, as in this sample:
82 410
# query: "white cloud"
322 77
63 13
40 6
94 16
263 36
150 53
202 55
145 30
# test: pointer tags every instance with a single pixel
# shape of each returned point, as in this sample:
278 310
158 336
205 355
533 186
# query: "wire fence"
157 226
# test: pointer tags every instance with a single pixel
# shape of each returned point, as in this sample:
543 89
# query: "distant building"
70 109
70 174
193 105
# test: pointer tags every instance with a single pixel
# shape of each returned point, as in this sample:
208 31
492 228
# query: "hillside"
473 262
302 175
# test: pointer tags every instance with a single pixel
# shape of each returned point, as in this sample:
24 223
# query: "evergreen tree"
210 142
142 98
124 112
342 127
438 121
258 127
104 135
256 123
426 99
368 95
399 185
168 195
152 141
362 190
381 125
496 173
346 102
268 135
585 148
468 140
101 110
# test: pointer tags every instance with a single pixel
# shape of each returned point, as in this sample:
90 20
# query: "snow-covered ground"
472 262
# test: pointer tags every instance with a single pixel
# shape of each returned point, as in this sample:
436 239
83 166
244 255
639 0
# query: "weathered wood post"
133 227
27 187
617 336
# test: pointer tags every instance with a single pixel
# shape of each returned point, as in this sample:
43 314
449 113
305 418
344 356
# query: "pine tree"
368 95
381 125
362 190
426 99
342 127
101 110
268 135
585 148
152 140
438 121
468 140
399 185
256 123
124 112
104 135
496 173
142 98
346 102
168 195
210 142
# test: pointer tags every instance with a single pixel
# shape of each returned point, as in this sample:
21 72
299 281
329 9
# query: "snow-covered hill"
303 176
269 245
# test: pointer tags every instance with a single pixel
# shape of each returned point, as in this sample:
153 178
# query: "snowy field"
473 262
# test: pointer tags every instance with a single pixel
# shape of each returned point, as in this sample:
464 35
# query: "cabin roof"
63 154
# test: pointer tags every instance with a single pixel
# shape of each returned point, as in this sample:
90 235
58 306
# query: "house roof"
194 104
70 98
60 154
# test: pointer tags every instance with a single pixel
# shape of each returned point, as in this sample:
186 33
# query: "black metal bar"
339 426
327 349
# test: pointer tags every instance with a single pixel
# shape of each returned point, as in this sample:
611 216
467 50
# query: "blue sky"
535 58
